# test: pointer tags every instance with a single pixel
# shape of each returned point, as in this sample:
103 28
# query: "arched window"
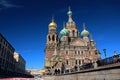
57 38
76 62
67 62
77 33
82 61
66 52
2 53
89 53
53 38
75 53
73 33
82 53
49 38
78 52
79 62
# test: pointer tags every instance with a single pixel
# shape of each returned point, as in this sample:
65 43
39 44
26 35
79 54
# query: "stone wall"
103 73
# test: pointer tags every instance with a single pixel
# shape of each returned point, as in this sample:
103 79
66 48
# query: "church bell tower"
52 41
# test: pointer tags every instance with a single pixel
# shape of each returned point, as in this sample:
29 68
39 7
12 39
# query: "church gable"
79 42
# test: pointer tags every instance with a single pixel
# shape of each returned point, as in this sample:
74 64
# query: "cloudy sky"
24 23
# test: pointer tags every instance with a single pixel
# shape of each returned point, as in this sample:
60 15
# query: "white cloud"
7 4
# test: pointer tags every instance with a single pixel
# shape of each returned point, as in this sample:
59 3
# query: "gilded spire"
64 31
84 26
69 8
69 11
53 24
91 38
70 22
63 24
52 18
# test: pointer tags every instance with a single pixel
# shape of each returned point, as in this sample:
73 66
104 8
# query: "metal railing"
109 60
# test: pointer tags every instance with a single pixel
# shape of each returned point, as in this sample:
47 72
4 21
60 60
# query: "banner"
17 79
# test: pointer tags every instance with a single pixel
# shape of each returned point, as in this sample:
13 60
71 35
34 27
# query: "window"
89 53
79 62
76 62
49 38
53 38
57 38
0 39
73 33
82 61
66 52
77 33
2 51
75 52
67 62
4 42
90 61
78 52
82 53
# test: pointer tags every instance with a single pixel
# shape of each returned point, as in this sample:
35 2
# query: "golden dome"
53 24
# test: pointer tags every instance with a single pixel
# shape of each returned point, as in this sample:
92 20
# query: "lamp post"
104 52
105 58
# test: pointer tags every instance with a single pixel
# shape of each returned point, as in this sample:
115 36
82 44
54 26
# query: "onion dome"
53 24
64 32
70 20
84 33
69 12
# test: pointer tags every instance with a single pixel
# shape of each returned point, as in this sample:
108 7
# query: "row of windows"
6 45
5 53
6 64
73 33
4 42
80 53
6 58
77 62
52 38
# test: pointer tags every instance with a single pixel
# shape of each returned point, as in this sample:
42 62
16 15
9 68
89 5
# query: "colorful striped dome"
64 31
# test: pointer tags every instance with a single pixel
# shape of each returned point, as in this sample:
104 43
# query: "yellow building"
36 72
20 63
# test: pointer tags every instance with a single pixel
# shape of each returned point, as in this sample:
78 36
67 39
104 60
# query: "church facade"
67 48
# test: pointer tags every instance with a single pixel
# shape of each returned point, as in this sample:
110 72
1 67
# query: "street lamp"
104 52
